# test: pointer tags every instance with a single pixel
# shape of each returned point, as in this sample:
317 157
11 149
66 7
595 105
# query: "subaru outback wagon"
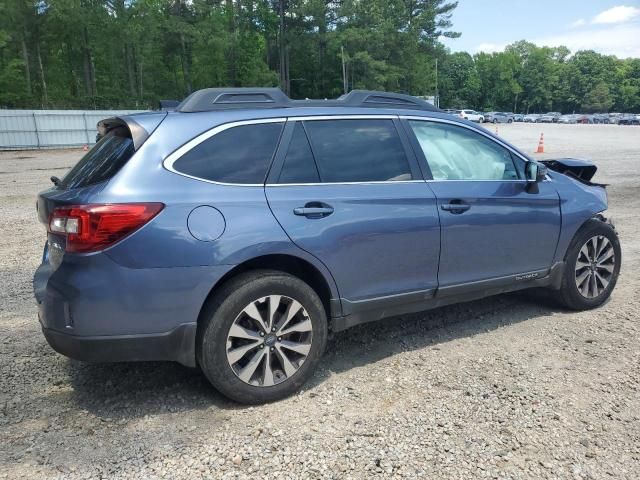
234 232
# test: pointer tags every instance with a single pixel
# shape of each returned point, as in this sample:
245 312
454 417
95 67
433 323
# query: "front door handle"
314 210
455 206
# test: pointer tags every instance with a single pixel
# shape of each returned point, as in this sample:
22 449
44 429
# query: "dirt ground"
506 387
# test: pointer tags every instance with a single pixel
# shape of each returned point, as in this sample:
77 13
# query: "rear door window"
239 154
362 150
101 162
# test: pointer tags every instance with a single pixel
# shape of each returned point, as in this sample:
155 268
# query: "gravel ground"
506 387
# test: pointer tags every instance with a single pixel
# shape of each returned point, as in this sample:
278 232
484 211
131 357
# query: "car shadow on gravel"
369 343
133 390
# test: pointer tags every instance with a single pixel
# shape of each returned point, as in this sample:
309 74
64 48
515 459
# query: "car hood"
578 169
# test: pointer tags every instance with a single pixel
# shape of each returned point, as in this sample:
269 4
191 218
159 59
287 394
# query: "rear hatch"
120 138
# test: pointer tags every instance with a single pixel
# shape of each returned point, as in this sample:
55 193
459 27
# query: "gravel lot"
506 387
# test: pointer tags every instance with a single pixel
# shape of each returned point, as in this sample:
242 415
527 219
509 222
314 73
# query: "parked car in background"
531 118
614 118
518 117
571 118
629 119
550 117
600 118
583 118
472 115
234 237
498 117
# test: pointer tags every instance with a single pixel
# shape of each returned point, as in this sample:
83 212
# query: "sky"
608 27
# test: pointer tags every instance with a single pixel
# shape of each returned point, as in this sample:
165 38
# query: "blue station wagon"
235 232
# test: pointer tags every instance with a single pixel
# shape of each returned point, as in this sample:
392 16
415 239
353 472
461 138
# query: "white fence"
28 129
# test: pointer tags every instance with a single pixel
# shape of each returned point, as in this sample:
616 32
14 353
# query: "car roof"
187 123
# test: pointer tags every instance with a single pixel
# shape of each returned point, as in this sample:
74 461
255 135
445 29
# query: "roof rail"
210 99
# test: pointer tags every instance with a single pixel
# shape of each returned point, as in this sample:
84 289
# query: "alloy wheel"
595 266
269 340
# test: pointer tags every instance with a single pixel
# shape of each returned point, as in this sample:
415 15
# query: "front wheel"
592 266
262 336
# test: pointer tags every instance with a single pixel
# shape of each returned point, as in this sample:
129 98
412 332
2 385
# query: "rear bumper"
176 345
93 309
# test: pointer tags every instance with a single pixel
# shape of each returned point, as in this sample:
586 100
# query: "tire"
509 121
217 346
495 120
581 249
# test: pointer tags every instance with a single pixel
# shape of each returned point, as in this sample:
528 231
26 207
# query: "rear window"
237 155
101 162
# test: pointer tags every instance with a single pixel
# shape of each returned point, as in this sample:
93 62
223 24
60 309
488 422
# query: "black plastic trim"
210 99
370 310
175 345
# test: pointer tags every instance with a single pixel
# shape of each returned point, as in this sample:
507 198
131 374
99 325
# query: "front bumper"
176 345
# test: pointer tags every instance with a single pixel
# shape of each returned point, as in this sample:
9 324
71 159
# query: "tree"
598 99
131 53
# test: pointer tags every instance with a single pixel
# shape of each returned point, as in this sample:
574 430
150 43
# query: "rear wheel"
262 336
592 267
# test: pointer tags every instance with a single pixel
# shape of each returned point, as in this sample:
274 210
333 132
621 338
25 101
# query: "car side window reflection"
457 153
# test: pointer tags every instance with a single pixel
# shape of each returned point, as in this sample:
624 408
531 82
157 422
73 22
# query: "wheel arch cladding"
296 266
579 203
597 218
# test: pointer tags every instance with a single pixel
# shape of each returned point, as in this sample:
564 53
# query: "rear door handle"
455 206
314 210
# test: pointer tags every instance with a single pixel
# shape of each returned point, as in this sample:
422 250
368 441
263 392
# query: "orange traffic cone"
540 144
85 148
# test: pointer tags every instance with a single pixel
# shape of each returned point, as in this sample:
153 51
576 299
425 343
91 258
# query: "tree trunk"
86 70
186 64
141 83
131 74
232 61
43 82
284 54
94 82
27 67
89 68
322 50
74 86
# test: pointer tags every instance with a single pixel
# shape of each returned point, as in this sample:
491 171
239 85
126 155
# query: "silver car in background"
571 118
498 117
472 115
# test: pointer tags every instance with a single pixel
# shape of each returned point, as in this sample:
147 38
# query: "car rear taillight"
93 227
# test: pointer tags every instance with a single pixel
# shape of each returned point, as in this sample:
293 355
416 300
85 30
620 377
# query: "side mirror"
535 172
